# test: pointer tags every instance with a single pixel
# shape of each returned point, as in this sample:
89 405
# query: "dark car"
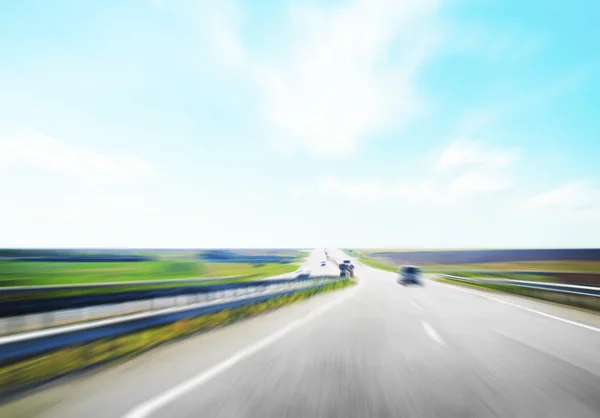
344 271
410 275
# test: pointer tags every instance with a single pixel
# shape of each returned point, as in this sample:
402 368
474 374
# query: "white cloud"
462 154
300 193
426 192
367 191
474 182
33 150
482 173
220 23
68 191
346 72
252 196
475 120
99 210
572 198
334 91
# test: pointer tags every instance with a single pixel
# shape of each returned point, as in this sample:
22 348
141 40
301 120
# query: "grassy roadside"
45 367
371 262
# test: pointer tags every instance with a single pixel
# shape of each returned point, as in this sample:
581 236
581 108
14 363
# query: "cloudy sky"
365 123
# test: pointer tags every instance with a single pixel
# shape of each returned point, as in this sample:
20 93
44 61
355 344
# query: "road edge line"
557 318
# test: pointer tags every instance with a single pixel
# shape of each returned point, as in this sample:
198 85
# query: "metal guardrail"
501 272
46 320
552 287
17 301
36 321
22 346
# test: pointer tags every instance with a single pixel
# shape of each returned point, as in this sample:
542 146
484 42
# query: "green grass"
371 262
15 273
60 362
248 270
30 273
103 290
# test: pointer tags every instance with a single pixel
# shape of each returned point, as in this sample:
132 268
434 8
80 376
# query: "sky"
340 123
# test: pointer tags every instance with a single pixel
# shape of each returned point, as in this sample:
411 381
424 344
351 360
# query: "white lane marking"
415 304
153 404
558 318
432 333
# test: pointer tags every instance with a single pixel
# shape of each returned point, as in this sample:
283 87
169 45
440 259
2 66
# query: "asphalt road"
313 262
374 350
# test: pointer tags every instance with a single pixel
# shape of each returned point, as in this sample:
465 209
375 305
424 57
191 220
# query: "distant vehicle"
323 263
410 275
346 261
303 273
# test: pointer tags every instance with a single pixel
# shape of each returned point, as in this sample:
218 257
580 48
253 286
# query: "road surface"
374 350
313 262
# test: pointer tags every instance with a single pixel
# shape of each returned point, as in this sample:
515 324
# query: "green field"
31 273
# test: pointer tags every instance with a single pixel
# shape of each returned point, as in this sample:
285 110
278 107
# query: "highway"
312 262
374 350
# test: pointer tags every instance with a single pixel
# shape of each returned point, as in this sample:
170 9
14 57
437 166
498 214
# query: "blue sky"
380 123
